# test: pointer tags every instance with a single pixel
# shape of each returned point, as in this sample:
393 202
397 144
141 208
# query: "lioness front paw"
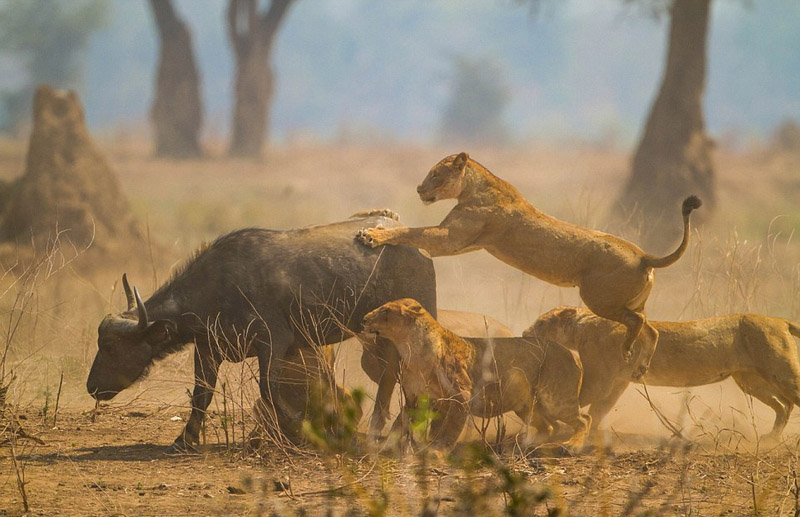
639 373
370 236
627 355
380 212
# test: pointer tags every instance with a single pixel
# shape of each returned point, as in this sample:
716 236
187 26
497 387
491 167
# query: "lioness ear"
568 313
411 308
161 332
460 160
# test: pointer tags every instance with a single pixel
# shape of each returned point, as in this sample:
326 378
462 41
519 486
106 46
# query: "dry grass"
746 259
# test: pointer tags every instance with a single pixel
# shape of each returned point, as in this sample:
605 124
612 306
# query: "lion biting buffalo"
485 377
263 293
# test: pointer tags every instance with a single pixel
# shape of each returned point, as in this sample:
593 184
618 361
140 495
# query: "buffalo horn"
142 310
128 292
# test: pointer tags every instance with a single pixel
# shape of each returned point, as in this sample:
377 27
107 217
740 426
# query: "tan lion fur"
484 377
613 275
384 368
757 351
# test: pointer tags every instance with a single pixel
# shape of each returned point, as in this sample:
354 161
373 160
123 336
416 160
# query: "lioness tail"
690 203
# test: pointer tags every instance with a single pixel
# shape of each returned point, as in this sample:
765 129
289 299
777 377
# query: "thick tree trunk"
252 36
177 111
674 155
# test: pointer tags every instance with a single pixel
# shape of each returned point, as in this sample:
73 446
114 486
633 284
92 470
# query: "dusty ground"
743 260
119 465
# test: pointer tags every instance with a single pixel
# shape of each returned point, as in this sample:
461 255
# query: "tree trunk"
674 155
252 36
177 112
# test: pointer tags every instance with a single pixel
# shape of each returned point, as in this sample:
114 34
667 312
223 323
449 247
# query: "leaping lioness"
613 275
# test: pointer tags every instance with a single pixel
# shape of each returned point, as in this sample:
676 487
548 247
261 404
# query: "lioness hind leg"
637 326
648 338
755 385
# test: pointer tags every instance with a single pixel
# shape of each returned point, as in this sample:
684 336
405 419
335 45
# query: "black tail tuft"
691 203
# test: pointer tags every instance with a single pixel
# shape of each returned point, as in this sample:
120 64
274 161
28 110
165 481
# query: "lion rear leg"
648 338
755 385
637 327
537 418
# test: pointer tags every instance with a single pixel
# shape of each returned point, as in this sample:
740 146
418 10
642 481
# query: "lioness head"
445 180
553 325
396 321
392 318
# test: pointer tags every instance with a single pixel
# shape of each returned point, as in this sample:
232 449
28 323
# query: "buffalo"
264 293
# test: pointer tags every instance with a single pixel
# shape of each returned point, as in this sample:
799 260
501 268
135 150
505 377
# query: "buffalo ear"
161 332
460 160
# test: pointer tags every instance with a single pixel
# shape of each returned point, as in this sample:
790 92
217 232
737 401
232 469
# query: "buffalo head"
126 347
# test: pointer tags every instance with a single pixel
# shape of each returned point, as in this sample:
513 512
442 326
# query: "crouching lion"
613 275
757 351
484 377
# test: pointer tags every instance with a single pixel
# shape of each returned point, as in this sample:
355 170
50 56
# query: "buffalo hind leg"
381 362
272 409
205 380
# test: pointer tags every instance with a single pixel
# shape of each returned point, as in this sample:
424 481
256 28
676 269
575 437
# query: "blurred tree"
474 114
177 112
50 37
673 158
786 137
252 33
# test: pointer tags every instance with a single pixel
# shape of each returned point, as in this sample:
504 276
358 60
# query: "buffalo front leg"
206 369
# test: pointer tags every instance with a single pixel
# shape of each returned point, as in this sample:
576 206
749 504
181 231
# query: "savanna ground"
676 452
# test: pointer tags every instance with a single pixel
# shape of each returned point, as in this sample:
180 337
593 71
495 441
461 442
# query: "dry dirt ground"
119 465
744 259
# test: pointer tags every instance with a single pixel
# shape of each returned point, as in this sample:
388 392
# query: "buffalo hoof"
181 446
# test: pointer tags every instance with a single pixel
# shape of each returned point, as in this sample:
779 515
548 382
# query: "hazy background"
365 70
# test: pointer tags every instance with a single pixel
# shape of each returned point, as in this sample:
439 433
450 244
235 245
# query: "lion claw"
379 212
639 373
365 238
627 355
